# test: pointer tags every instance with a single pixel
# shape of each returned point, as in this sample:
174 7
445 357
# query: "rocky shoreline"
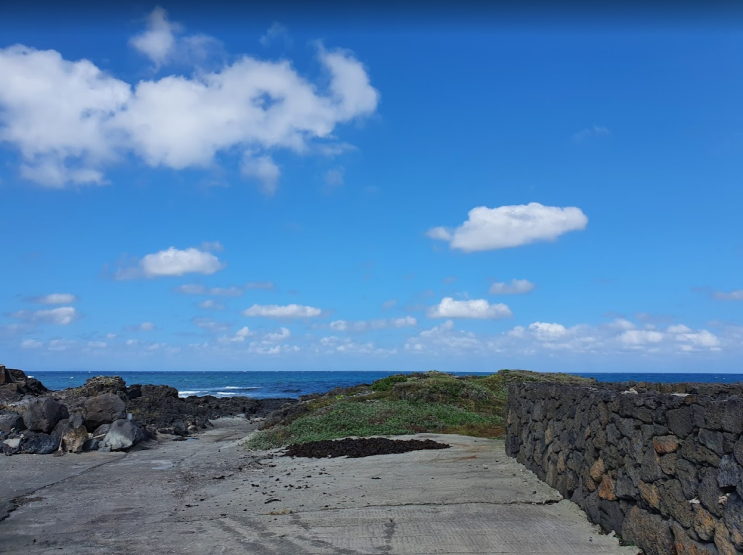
106 414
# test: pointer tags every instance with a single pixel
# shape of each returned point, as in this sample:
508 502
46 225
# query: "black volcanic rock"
43 414
103 409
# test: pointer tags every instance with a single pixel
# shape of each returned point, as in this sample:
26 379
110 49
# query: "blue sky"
280 190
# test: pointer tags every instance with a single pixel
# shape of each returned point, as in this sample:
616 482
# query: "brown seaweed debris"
362 447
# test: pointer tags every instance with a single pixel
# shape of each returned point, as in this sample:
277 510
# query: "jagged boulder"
11 421
31 444
103 409
43 414
123 434
73 441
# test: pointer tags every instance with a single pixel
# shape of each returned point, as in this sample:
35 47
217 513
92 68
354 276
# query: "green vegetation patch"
404 404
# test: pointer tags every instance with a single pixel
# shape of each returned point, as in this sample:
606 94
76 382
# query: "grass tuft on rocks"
403 404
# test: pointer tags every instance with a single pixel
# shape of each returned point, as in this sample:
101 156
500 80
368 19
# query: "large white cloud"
173 262
63 315
58 114
286 311
515 287
511 226
475 308
70 120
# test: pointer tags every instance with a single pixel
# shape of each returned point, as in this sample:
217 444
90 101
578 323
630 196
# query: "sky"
279 188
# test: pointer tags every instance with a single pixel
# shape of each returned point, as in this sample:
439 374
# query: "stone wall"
660 464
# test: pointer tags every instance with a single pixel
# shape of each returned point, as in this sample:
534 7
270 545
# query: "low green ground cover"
404 404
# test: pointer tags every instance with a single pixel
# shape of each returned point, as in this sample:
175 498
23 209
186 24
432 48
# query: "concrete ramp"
211 496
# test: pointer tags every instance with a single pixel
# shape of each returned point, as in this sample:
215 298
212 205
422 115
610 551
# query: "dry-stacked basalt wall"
660 464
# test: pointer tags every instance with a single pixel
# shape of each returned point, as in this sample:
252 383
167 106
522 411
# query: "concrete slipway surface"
210 495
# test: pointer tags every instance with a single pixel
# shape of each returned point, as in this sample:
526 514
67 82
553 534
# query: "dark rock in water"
103 409
31 444
123 434
43 414
5 377
10 421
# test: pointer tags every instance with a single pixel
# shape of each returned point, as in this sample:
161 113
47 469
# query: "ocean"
295 383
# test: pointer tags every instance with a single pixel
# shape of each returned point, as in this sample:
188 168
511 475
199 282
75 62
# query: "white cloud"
243 332
511 226
260 285
145 326
547 332
61 344
210 304
262 169
679 328
364 325
444 339
641 337
731 296
173 262
386 305
57 113
476 308
621 324
339 325
31 344
210 325
282 335
287 311
97 344
54 298
515 287
403 322
334 178
276 33
198 289
63 315
594 131
158 41
212 246
69 120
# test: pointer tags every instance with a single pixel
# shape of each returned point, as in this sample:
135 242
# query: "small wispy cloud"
276 33
728 296
144 326
54 298
63 315
334 179
595 131
514 287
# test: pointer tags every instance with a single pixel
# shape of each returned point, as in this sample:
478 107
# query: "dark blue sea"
296 383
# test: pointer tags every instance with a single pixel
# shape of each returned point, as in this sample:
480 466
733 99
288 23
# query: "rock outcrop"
75 420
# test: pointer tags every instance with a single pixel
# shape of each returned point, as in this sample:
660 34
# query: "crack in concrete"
11 504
